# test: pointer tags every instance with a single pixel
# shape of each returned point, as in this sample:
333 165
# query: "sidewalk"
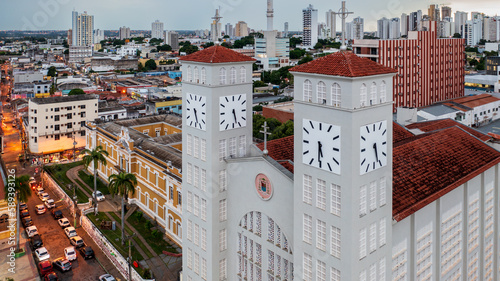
25 268
162 267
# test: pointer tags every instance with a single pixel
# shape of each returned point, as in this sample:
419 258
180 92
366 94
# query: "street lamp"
129 259
74 146
74 201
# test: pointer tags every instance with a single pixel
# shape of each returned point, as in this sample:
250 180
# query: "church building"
351 196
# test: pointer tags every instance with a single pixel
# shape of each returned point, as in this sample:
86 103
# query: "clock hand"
195 115
376 154
320 148
320 153
234 114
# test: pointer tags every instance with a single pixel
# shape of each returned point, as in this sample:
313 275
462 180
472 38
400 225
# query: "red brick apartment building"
430 69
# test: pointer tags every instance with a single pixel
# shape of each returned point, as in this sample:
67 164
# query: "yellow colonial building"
151 149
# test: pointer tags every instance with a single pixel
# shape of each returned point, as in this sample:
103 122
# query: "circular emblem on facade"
263 187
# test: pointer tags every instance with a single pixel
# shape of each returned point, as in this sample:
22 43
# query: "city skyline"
55 14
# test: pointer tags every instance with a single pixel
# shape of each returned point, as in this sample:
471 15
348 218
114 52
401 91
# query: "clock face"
373 145
233 112
196 111
321 145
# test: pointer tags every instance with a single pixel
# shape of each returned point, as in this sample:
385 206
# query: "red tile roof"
216 54
476 100
436 163
400 133
343 64
433 125
280 150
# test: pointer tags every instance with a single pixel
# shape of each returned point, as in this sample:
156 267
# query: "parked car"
42 254
32 180
44 196
64 222
70 253
31 231
50 203
70 231
39 190
40 209
57 214
62 264
44 267
99 196
87 252
107 277
24 213
51 276
27 221
36 242
76 241
23 206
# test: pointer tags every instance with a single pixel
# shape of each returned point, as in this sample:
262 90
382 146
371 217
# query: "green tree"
66 52
52 71
188 48
226 36
318 46
226 45
247 40
65 44
76 92
258 122
95 156
21 189
150 64
164 48
283 130
155 41
457 35
122 184
138 53
53 88
297 53
208 44
295 41
305 59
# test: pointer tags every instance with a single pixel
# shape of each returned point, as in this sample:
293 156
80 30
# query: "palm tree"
96 156
122 184
22 191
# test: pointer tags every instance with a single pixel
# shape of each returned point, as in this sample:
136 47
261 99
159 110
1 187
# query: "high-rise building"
125 33
216 27
433 13
270 15
82 29
285 32
157 29
424 76
309 26
473 31
445 28
476 15
404 24
229 30
388 28
414 21
445 12
98 35
70 37
460 19
241 29
173 39
355 29
331 23
490 29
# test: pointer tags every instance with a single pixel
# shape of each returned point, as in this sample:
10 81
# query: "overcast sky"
196 14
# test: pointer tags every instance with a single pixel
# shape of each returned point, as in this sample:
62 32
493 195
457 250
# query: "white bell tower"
217 114
343 169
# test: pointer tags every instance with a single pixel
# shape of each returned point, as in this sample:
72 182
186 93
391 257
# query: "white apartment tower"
404 24
157 30
309 26
473 31
331 24
125 33
460 19
82 29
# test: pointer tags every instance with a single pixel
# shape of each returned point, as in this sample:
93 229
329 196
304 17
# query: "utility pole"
129 259
74 201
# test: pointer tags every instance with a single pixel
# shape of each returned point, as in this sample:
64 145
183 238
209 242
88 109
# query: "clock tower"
217 114
343 169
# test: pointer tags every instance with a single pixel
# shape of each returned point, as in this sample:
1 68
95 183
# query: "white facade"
55 123
460 20
79 53
473 32
331 24
98 36
229 30
310 26
157 30
125 33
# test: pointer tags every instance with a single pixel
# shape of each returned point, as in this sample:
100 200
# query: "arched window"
147 199
138 192
155 201
243 74
336 95
222 76
196 75
373 94
179 229
362 95
307 91
383 92
321 92
233 75
188 78
203 75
